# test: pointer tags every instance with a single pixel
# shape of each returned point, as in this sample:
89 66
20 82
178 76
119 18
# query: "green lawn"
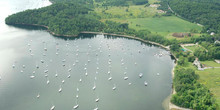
192 48
140 17
211 63
133 11
153 1
163 24
211 79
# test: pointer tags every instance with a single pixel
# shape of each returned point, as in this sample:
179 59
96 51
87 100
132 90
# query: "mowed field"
211 63
163 24
211 79
133 11
141 17
192 48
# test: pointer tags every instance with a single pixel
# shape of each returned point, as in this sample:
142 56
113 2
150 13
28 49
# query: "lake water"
86 68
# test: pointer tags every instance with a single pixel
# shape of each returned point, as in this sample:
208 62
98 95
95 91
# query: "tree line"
66 19
190 93
205 12
70 18
106 2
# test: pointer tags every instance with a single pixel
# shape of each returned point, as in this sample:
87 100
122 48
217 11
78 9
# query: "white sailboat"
97 100
48 81
76 106
63 81
37 66
52 108
94 87
69 69
145 83
60 90
110 78
13 66
32 77
38 95
158 74
114 87
125 78
141 75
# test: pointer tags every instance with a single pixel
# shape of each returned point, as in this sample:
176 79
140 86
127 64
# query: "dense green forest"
207 41
71 18
67 19
190 93
205 12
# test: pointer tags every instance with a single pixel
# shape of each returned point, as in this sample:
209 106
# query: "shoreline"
89 32
42 26
170 105
127 36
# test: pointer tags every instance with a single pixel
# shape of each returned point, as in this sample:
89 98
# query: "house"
217 42
154 5
217 61
197 63
212 33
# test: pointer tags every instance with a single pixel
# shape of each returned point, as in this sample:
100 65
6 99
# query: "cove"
76 65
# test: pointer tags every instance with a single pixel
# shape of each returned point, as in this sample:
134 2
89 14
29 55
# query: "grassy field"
163 24
140 17
153 1
133 11
192 48
211 78
210 63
